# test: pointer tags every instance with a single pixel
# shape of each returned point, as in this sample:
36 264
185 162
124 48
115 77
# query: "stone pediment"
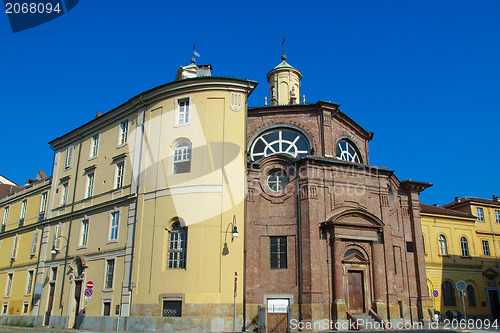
490 273
356 218
355 258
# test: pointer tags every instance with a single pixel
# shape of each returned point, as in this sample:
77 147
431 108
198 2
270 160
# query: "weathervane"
283 57
193 59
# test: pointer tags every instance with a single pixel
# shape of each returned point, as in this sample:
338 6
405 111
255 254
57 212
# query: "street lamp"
234 234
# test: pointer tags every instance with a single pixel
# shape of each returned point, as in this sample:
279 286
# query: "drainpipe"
136 202
494 238
322 131
299 240
70 221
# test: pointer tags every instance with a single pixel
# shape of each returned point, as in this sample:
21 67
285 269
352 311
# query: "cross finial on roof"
283 57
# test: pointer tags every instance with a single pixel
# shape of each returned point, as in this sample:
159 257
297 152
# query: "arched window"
347 151
280 141
177 245
471 295
443 247
448 291
182 158
465 246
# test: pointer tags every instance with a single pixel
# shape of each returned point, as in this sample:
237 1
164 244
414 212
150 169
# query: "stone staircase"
367 321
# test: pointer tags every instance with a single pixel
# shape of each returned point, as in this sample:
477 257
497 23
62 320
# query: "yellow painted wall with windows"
20 244
455 265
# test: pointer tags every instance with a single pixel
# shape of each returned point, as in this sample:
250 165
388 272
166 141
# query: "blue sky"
423 75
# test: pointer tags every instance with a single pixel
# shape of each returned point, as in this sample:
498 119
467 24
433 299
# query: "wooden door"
78 295
51 302
356 291
277 322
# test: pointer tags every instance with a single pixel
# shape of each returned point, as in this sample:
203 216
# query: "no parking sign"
435 293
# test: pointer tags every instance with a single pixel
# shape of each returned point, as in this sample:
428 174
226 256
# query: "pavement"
441 328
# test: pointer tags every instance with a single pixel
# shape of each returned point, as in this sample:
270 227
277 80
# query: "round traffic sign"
435 293
88 292
90 284
461 285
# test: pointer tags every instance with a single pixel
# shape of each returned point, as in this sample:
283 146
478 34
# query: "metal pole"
463 303
234 301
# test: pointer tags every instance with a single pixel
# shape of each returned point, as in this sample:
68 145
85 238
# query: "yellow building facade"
23 218
461 245
147 204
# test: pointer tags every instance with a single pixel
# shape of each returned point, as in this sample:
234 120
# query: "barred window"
177 246
471 295
172 308
449 294
278 253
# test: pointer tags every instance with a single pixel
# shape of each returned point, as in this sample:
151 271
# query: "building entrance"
356 291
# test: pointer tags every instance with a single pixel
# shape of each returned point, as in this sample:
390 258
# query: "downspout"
494 238
136 204
322 131
299 240
245 159
70 220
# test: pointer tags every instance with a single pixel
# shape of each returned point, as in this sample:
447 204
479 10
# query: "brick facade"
346 217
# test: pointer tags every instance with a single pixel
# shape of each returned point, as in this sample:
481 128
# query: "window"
113 229
171 308
280 141
26 306
471 295
29 282
123 133
43 205
8 284
90 185
5 307
94 145
34 243
277 180
409 247
84 233
177 246
448 291
465 246
15 242
497 216
106 308
183 112
182 158
480 214
347 151
58 231
486 248
24 204
64 193
69 157
443 247
119 174
110 271
278 252
53 275
5 216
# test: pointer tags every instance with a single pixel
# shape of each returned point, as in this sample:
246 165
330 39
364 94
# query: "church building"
329 236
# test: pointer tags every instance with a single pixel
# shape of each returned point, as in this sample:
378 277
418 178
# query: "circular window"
347 151
280 141
277 180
